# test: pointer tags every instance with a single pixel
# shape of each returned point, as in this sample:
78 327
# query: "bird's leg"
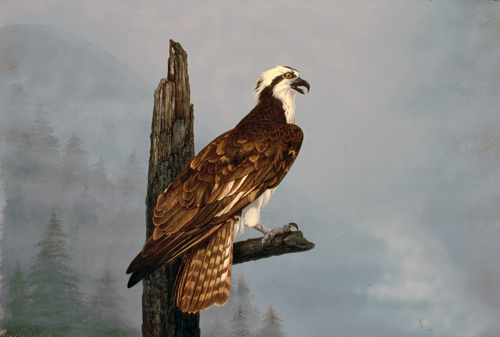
269 233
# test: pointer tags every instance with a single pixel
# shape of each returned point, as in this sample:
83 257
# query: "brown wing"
226 176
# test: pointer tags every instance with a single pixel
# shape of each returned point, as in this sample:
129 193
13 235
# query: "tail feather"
205 274
163 251
211 264
194 273
203 284
223 281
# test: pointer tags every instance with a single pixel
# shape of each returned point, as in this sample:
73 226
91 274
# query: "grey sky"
400 155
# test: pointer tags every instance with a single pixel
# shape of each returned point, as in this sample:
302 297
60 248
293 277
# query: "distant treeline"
51 302
103 217
240 317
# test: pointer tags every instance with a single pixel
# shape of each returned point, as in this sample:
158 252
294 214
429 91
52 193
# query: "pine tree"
57 305
74 162
271 325
28 163
244 299
100 183
106 313
13 174
216 329
18 95
44 143
241 298
132 176
18 321
40 151
17 106
99 172
238 326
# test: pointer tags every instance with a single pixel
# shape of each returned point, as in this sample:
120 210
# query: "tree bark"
172 147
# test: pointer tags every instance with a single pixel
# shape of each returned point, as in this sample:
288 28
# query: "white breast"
250 217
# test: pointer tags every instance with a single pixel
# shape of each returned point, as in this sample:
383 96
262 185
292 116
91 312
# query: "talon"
265 243
266 240
272 232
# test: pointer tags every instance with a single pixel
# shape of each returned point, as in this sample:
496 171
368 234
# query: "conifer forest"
54 196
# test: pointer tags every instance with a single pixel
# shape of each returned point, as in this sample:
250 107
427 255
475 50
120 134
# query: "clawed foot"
270 233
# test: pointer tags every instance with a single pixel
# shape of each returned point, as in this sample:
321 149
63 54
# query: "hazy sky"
401 147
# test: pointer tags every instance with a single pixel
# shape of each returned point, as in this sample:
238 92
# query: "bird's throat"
287 98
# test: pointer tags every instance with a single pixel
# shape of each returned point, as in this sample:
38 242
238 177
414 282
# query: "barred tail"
204 278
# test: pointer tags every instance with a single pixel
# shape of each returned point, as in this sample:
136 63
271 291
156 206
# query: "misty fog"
396 182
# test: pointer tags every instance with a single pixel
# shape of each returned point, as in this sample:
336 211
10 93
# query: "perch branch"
252 250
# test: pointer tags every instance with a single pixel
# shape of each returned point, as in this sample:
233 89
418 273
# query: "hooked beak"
300 83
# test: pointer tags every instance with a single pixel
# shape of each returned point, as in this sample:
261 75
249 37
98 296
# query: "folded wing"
226 176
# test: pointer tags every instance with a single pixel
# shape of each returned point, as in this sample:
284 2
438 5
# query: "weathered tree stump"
172 147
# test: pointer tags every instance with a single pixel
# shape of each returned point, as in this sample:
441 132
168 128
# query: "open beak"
300 83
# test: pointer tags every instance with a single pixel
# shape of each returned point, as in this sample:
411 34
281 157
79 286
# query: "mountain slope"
84 89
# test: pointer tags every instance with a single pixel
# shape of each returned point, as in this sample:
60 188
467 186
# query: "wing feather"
191 184
201 193
179 219
212 189
222 147
164 218
248 146
166 201
237 184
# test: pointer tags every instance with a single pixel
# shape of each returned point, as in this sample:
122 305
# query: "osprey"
220 193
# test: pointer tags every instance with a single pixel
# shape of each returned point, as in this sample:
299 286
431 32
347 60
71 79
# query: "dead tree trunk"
172 146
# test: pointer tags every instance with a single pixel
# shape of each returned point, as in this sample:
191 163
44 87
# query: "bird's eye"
288 75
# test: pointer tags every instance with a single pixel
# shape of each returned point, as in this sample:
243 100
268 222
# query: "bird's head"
282 82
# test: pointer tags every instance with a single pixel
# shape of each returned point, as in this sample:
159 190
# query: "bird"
219 194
